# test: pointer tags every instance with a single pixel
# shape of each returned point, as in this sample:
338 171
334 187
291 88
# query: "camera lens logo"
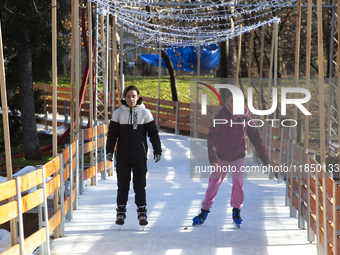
204 97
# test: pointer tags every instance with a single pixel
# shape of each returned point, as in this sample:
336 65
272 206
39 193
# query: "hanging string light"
177 23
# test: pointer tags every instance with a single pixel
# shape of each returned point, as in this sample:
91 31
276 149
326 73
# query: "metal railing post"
301 221
336 208
324 212
77 175
82 163
176 124
95 155
20 217
271 173
47 243
292 212
70 215
104 149
62 196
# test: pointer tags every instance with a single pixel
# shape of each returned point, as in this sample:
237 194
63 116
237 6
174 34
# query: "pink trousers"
216 178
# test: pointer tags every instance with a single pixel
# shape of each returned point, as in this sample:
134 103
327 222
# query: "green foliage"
32 18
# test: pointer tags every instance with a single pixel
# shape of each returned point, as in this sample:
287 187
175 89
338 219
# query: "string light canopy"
178 23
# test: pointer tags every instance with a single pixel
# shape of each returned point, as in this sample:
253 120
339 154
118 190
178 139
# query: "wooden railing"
53 178
311 193
171 115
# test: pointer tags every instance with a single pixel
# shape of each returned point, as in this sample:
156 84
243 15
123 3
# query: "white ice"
173 199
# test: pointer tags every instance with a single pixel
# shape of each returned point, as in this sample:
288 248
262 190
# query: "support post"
95 155
62 196
176 125
321 85
301 221
82 163
73 10
297 59
55 98
271 173
292 209
324 212
308 57
70 215
77 175
310 233
104 148
20 217
47 243
7 138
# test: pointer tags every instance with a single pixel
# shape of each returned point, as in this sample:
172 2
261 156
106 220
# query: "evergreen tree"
27 40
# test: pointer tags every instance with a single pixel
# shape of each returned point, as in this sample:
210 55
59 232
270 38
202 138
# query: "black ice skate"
236 217
121 216
142 216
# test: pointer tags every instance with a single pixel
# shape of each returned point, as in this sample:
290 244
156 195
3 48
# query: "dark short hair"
127 89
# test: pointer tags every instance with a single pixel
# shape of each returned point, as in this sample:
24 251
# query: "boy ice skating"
130 124
226 148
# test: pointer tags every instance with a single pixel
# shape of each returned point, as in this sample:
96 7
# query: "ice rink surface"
173 199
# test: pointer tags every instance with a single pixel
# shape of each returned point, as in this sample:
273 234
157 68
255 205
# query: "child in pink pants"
226 150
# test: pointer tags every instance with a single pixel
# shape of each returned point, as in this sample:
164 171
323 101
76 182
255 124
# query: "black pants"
139 182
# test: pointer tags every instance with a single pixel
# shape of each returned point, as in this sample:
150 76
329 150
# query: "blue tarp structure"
185 58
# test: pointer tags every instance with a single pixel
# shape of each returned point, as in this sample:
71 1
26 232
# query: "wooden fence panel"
52 166
35 240
32 200
8 211
31 180
8 189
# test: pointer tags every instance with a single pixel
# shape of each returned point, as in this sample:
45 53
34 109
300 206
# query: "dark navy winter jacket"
130 126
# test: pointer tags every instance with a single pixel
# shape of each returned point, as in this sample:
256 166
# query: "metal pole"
276 58
77 174
89 21
113 63
54 98
5 121
47 246
45 108
72 69
271 67
324 212
198 79
297 59
121 55
62 195
321 85
159 80
104 148
20 217
95 154
310 233
82 163
54 76
271 173
77 67
261 68
71 183
308 56
301 221
106 69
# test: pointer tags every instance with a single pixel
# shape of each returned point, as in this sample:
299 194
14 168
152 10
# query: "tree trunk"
172 74
171 70
28 119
